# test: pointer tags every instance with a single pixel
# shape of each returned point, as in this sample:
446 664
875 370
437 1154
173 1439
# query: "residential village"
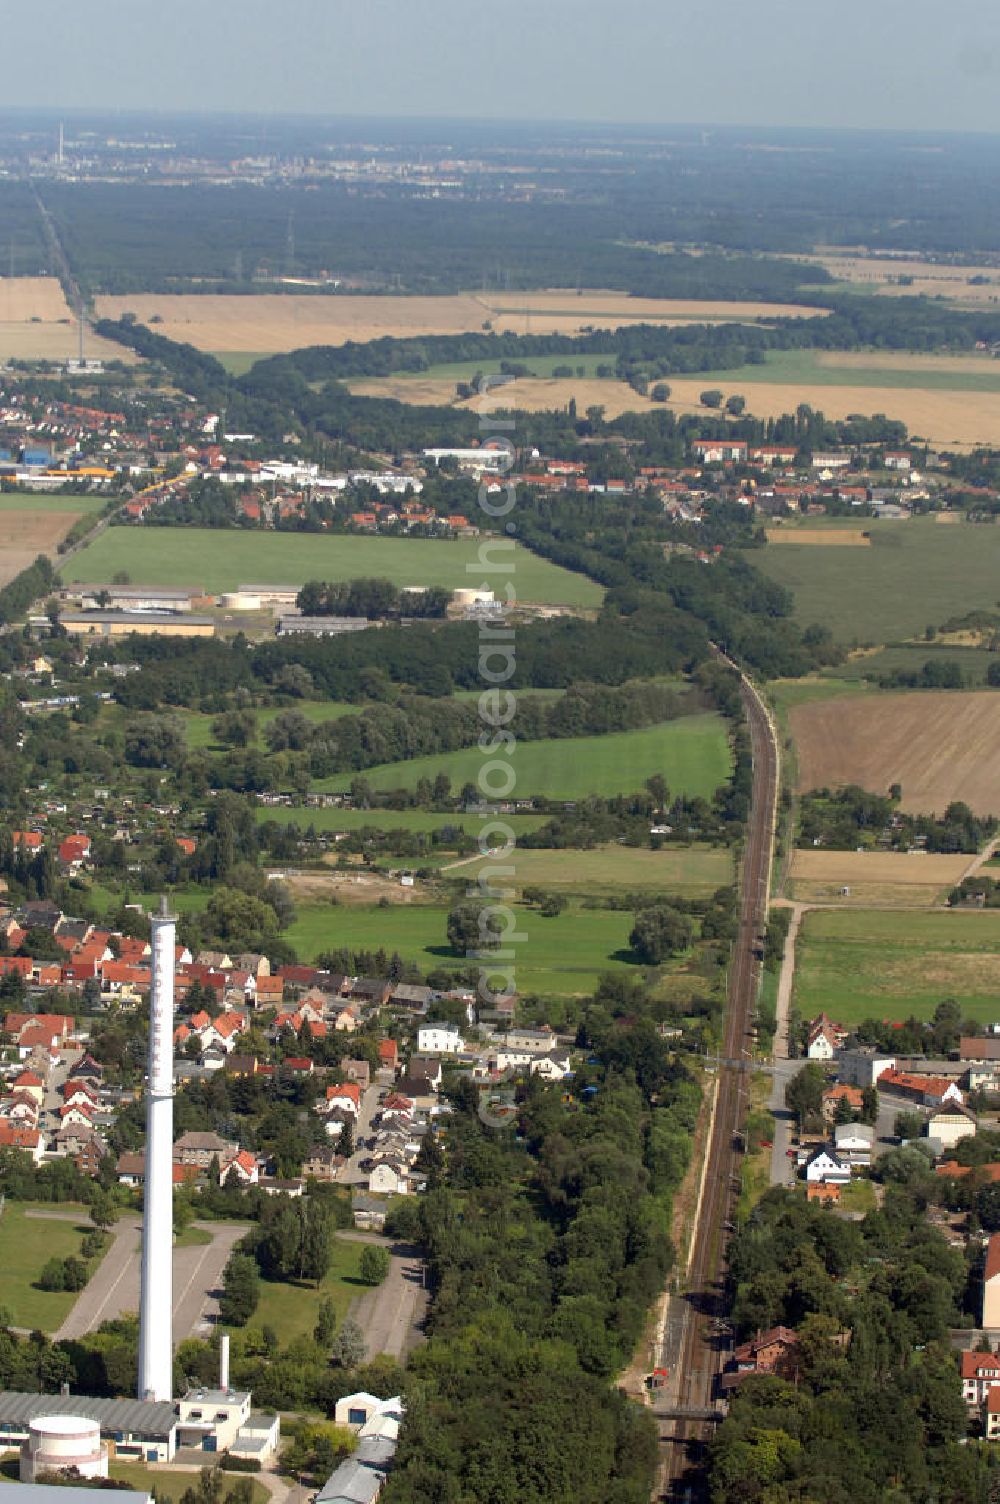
367 1116
870 1104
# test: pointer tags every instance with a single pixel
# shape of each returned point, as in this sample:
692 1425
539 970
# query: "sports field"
26 1241
691 753
565 954
939 745
225 558
915 574
856 965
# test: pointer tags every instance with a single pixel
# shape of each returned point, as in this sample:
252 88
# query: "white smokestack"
156 1298
224 1361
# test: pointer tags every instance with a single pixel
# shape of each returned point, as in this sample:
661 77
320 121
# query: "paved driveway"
114 1289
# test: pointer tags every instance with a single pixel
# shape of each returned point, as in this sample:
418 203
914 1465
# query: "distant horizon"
900 65
55 113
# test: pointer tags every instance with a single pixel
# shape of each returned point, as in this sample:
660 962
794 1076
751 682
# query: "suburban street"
351 1173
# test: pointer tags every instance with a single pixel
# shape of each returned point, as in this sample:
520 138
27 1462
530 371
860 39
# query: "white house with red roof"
345 1095
21 1136
31 1084
74 851
980 1373
242 1168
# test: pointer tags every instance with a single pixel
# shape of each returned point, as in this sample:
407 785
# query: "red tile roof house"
59 1023
980 1373
388 1054
74 851
18 1136
346 1094
242 1167
773 1351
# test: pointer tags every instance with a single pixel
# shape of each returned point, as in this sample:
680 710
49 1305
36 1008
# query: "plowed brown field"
820 537
28 533
939 746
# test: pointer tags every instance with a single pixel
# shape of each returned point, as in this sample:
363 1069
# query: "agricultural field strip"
277 322
915 574
851 963
938 745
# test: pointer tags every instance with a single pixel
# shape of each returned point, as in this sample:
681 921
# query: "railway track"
702 1353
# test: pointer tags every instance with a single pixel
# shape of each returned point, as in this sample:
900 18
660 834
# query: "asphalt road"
114 1289
700 1354
391 1315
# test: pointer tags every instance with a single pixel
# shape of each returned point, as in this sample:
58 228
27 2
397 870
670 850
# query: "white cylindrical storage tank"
57 1442
464 597
239 600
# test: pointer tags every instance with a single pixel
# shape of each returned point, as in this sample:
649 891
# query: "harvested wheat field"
924 278
954 419
27 533
939 746
820 537
274 321
873 878
36 323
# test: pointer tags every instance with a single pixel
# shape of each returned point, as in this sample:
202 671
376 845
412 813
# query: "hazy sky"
872 63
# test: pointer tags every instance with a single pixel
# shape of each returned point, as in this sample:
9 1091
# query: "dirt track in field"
820 537
26 534
939 746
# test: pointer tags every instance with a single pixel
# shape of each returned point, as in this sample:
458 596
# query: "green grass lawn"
691 753
854 964
806 367
417 820
20 501
293 1309
25 1244
691 869
222 559
170 1485
238 362
565 954
915 574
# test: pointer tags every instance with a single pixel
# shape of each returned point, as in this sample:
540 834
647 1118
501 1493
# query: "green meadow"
691 753
915 574
890 964
221 559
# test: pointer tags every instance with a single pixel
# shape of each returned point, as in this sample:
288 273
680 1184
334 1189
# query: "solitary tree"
374 1264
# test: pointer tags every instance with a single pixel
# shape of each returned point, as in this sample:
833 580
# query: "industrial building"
143 623
321 626
55 1493
133 597
140 1431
